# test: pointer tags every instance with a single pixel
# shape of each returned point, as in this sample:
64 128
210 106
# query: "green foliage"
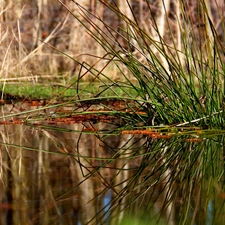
140 220
172 85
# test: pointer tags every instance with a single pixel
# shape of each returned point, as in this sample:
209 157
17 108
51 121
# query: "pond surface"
90 173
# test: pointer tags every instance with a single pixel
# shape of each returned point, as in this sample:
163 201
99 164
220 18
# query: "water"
67 174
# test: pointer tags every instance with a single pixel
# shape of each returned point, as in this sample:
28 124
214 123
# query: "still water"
87 173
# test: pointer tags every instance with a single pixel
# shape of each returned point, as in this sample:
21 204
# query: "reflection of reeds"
155 175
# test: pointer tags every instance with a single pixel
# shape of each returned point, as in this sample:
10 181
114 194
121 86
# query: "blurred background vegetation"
25 27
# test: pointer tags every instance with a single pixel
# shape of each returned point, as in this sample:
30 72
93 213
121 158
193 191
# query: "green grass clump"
179 73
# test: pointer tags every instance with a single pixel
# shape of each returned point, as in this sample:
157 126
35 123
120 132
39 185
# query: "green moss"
37 91
141 220
49 91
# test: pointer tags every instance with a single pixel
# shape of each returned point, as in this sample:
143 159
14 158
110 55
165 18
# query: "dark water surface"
74 174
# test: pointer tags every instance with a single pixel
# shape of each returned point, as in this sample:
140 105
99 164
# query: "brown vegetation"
25 27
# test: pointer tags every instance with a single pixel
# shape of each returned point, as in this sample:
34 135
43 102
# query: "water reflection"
67 176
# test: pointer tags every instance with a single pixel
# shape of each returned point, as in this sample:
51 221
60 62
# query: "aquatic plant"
161 156
176 69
